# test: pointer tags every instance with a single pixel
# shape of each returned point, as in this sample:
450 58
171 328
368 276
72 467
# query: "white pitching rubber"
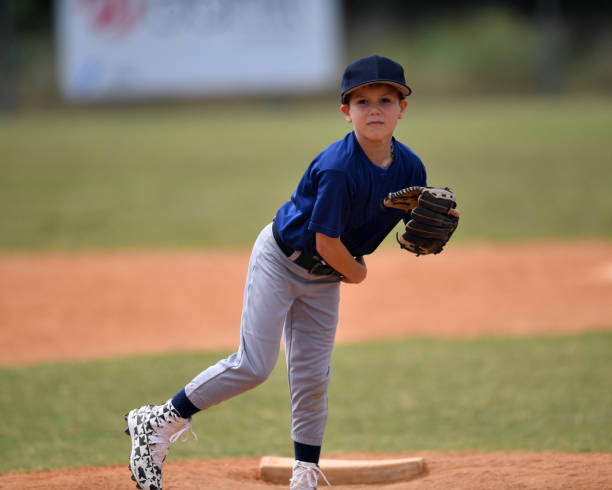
274 469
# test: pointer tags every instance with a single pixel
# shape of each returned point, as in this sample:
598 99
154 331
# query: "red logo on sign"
115 17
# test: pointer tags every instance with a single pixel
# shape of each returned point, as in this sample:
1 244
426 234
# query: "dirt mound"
456 471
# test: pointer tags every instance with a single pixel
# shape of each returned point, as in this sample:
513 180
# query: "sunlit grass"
547 393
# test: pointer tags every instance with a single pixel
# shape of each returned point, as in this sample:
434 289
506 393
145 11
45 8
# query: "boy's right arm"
333 251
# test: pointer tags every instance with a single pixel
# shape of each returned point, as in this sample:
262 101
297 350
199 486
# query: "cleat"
152 430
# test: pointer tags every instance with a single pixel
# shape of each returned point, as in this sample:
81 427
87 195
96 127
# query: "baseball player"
350 197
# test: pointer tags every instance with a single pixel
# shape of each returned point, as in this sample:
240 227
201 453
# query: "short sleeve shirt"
340 195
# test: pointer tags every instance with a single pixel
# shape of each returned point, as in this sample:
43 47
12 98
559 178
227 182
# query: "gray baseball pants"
280 296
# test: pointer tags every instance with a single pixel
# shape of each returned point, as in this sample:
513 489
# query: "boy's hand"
333 251
358 279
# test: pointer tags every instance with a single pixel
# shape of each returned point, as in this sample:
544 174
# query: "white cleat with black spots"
152 429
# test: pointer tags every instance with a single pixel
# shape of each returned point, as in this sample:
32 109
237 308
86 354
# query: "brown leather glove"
430 225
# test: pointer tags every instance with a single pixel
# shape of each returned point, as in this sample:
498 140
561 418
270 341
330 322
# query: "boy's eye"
361 101
385 100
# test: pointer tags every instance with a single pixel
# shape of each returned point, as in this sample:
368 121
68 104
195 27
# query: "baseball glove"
430 225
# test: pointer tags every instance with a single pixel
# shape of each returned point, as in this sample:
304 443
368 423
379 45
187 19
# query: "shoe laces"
167 433
306 476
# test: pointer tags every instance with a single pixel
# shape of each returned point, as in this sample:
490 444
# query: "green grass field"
211 176
547 393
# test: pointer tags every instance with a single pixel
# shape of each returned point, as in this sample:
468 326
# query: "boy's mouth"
375 123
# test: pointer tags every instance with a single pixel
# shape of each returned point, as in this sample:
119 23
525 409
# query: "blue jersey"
340 195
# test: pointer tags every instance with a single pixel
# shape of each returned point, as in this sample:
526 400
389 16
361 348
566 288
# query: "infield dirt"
445 471
77 306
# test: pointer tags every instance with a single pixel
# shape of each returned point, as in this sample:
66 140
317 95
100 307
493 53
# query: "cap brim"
403 89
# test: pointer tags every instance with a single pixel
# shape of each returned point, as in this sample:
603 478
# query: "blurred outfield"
212 175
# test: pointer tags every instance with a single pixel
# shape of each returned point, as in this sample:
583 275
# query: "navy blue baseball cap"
373 69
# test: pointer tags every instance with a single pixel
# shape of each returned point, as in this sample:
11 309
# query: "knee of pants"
256 372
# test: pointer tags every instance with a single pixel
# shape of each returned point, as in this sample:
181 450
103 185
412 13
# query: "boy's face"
374 111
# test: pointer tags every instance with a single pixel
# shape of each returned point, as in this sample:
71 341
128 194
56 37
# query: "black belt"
315 265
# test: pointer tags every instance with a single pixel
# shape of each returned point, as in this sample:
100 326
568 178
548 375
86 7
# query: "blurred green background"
522 168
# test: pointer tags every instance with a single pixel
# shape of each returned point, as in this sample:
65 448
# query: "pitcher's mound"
274 469
457 471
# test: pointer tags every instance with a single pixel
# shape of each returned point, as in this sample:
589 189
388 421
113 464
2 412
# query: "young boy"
317 240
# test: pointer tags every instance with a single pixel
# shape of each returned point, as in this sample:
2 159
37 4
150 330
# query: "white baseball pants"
280 296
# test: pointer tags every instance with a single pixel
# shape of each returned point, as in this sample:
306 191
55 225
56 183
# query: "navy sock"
306 453
183 406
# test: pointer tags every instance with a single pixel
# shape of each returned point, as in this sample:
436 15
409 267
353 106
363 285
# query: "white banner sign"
123 49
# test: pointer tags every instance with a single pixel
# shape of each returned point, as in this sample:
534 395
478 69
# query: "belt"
315 265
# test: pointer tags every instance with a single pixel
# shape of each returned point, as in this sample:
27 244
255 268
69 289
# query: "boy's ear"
403 105
347 113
